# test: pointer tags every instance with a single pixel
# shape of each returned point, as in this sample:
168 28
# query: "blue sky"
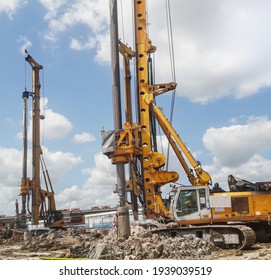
223 71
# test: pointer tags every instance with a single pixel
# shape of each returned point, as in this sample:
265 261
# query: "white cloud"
237 149
256 169
52 7
58 165
80 45
69 198
63 16
9 194
236 144
26 44
221 47
10 7
55 125
84 137
10 166
103 51
76 45
97 190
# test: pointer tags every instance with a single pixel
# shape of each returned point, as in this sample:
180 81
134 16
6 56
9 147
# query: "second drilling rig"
38 204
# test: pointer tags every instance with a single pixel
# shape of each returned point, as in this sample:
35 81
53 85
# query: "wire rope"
135 86
172 63
122 21
25 78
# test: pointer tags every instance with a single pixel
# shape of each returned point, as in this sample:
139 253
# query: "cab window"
202 199
187 202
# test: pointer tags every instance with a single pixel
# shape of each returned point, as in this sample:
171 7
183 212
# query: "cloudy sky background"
222 106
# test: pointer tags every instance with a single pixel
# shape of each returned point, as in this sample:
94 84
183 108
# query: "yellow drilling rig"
235 218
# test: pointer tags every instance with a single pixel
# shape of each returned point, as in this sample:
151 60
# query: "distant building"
105 219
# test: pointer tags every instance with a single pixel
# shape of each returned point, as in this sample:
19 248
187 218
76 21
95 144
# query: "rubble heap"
143 244
104 244
73 243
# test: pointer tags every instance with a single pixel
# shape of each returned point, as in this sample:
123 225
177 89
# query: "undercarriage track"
223 236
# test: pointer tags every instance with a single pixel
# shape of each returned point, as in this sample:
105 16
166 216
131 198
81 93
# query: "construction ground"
84 243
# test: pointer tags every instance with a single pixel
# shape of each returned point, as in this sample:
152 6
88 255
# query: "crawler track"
223 236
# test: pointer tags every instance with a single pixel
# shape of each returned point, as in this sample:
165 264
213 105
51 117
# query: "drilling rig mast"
43 206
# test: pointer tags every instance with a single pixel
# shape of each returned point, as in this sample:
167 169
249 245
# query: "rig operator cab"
246 203
192 204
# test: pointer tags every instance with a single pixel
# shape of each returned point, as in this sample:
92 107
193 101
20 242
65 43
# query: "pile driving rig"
236 218
42 207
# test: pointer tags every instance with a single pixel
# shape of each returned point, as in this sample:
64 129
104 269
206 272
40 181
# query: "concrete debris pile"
143 244
104 244
71 243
